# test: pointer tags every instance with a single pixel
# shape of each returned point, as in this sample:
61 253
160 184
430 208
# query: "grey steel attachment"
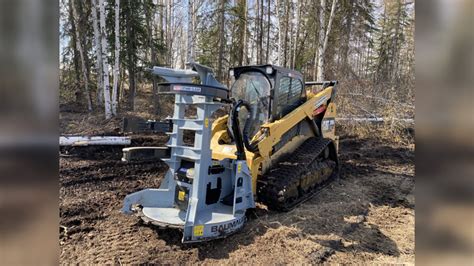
205 198
139 125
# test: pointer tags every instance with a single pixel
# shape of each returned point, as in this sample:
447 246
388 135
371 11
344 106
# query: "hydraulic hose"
236 130
240 140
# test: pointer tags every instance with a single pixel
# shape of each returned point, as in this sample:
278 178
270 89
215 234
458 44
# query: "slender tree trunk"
267 55
169 27
165 31
242 32
395 49
81 54
322 21
131 59
278 4
85 41
77 71
220 61
291 26
295 43
347 37
244 42
105 65
287 22
257 30
153 23
260 32
98 54
325 43
121 86
182 47
117 57
159 18
190 49
367 60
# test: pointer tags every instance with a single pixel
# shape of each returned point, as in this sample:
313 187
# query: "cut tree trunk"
93 140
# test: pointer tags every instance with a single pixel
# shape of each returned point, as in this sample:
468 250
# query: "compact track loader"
276 145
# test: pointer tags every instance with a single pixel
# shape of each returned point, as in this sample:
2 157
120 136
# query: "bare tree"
98 53
278 5
221 40
105 65
244 41
169 30
81 54
259 27
325 36
131 56
295 42
322 21
191 26
268 32
286 30
117 57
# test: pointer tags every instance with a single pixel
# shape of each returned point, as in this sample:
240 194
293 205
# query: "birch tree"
259 30
324 36
267 55
366 40
244 40
191 26
169 30
295 43
81 54
98 53
117 57
278 4
105 65
221 39
286 30
322 21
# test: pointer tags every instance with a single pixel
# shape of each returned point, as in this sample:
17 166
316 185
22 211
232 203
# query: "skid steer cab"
235 158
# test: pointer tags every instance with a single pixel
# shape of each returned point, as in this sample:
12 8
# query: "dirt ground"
367 215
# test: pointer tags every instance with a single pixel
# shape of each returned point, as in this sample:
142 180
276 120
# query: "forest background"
367 45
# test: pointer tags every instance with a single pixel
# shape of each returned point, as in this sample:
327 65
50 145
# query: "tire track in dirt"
365 215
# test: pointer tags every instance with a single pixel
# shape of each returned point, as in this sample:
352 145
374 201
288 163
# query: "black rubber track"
299 176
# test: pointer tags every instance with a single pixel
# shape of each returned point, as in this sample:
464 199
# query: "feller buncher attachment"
277 145
206 198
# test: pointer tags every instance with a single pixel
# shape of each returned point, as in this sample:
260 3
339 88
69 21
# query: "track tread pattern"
297 177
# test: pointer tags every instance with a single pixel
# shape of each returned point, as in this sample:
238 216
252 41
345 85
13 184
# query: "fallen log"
93 140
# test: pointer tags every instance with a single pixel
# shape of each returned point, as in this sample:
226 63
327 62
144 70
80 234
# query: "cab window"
289 95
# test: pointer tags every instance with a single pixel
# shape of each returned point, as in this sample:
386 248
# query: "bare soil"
367 215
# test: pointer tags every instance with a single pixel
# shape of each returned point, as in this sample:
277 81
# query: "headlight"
269 70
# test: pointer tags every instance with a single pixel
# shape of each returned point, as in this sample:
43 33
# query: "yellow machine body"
270 134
